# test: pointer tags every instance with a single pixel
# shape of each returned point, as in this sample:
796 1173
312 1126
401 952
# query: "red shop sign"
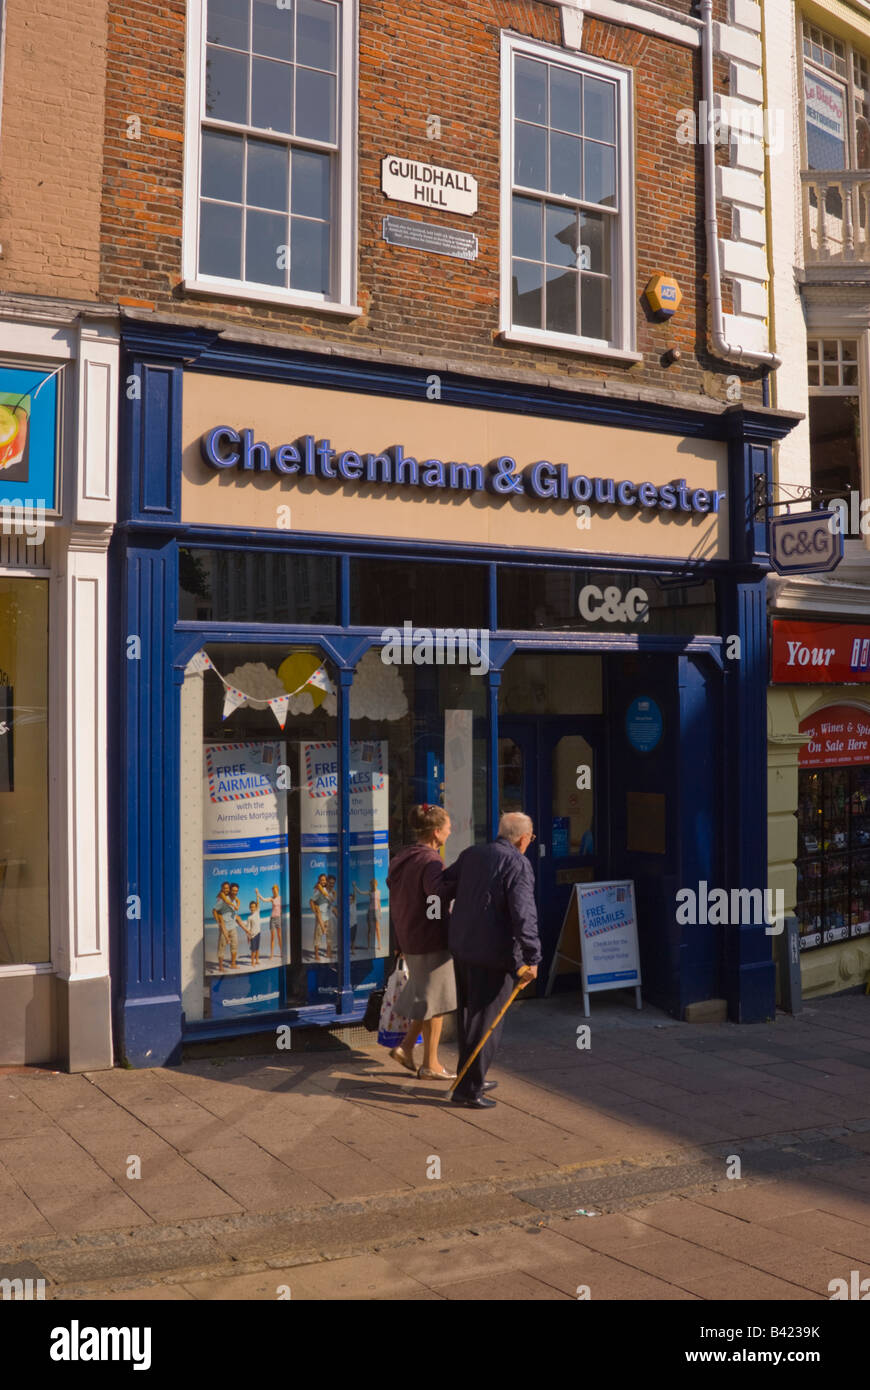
820 653
839 737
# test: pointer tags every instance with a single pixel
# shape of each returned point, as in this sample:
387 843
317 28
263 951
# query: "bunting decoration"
265 688
233 699
200 661
279 708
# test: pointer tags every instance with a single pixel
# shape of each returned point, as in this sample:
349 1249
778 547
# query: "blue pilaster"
345 988
748 968
146 906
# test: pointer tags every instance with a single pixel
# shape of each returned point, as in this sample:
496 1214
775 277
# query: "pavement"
666 1161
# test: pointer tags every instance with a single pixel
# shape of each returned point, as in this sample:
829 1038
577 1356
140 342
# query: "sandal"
427 1074
399 1057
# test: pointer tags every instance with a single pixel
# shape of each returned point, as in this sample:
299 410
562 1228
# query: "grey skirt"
431 987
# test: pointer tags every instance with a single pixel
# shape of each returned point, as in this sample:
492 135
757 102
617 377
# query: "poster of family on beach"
245 864
368 845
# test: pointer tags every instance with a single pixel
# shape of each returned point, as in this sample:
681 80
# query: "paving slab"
513 1287
360 1277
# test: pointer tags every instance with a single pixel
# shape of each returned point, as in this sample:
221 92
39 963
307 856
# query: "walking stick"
521 984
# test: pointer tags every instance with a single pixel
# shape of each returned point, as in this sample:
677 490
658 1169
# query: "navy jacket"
495 919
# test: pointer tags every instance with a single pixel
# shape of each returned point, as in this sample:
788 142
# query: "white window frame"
623 347
862 390
343 301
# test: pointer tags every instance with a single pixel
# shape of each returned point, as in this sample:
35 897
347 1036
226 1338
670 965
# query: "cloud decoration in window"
378 691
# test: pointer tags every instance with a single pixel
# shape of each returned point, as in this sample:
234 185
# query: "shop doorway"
551 751
552 769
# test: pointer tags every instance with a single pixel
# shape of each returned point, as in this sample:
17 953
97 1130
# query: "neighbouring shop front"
57 506
336 599
820 751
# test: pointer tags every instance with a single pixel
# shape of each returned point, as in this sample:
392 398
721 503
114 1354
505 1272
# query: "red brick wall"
51 147
415 60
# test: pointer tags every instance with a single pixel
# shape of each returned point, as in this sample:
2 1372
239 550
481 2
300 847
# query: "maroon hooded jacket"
415 875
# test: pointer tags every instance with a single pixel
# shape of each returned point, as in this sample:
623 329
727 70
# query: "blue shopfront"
336 597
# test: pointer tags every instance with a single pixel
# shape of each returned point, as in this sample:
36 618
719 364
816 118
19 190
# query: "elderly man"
493 938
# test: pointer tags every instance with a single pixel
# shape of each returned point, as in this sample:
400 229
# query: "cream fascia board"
512 43
345 240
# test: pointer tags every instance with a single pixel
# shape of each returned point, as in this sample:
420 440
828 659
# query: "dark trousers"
481 993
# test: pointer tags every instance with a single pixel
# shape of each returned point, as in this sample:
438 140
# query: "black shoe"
473 1102
490 1085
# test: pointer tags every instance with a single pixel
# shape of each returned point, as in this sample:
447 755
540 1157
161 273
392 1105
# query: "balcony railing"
836 216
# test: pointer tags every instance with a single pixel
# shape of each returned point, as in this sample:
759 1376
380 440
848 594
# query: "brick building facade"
416 62
327 434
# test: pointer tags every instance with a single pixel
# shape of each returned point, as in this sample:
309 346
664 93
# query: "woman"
414 880
274 919
320 897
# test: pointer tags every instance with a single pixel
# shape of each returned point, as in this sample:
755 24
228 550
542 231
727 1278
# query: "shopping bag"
392 1026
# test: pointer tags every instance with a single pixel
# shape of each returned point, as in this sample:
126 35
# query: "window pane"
311 183
531 91
600 173
265 247
599 110
273 30
565 99
315 104
835 425
309 255
595 232
228 23
222 165
562 236
272 96
527 282
530 156
316 31
384 593
562 301
595 307
300 588
246 918
565 165
220 240
267 175
527 228
539 598
226 85
824 113
24 825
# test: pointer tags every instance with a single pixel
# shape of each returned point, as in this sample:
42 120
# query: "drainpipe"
720 346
